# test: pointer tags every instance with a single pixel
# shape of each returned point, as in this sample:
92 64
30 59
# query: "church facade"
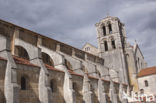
38 69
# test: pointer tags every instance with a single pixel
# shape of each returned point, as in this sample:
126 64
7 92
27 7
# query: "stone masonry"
38 69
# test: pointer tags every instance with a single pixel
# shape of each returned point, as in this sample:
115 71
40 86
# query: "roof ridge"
147 71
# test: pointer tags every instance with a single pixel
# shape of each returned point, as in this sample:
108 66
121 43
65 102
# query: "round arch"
47 59
21 52
57 58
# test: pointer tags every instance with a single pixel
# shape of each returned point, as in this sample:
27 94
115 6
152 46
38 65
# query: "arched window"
110 28
113 44
46 59
74 86
91 87
53 85
106 45
87 49
23 83
104 30
21 52
146 83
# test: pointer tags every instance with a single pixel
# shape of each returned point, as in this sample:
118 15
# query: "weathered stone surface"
74 75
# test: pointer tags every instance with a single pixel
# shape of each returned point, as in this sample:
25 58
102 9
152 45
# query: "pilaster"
69 94
11 88
87 93
44 88
101 92
121 94
113 95
35 58
107 30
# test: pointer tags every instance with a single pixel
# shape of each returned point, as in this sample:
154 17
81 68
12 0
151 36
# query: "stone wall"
139 58
2 77
132 68
94 89
113 53
57 91
150 89
90 49
77 87
74 84
31 74
31 94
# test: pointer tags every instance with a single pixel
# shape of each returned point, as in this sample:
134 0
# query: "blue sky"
73 21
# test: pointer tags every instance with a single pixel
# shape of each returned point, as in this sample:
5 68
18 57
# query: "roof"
73 73
105 80
19 60
110 17
136 46
37 34
147 71
52 68
90 45
3 59
27 62
92 77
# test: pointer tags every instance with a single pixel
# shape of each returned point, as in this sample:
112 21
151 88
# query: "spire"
135 43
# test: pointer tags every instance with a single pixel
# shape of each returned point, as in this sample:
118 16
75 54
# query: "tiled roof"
92 77
19 60
73 73
105 80
52 68
147 71
116 82
2 58
125 84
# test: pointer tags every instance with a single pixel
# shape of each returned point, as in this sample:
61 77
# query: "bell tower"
111 45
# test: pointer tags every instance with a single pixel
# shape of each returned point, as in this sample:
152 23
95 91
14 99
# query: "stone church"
38 69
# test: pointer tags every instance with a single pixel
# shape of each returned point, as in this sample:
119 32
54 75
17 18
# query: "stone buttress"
11 87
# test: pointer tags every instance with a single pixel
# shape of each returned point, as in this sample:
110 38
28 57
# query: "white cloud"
72 21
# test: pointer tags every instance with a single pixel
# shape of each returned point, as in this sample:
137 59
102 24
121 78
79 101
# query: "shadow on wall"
56 91
2 98
77 92
21 52
32 95
95 98
27 92
108 98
